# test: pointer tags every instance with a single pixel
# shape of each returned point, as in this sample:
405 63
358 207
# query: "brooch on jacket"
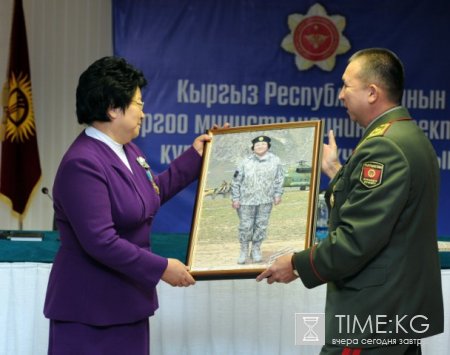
148 172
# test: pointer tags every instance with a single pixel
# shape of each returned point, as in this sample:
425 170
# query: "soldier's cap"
261 139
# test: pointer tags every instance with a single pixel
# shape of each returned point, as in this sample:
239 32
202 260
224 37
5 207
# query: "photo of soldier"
257 186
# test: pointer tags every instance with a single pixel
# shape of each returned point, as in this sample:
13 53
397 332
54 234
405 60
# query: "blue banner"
269 61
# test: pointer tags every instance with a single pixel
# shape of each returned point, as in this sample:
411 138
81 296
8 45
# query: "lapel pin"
141 161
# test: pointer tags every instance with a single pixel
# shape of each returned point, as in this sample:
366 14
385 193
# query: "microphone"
45 191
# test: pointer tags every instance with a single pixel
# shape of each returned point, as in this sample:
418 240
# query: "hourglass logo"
309 328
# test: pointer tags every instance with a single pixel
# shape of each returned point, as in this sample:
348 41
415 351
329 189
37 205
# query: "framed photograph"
256 198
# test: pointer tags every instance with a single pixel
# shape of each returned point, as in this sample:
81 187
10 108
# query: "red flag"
20 166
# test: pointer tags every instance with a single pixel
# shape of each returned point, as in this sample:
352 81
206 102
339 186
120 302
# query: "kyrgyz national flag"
20 166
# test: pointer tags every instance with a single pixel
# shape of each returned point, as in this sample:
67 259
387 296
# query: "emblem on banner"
315 38
17 106
371 174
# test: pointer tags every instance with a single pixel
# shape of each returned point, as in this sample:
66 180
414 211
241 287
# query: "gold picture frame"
214 244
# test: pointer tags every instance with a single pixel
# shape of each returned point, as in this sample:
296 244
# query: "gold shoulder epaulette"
380 130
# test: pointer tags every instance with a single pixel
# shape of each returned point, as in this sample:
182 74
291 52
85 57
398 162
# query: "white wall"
64 37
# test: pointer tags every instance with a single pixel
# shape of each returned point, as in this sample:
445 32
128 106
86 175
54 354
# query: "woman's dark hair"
109 82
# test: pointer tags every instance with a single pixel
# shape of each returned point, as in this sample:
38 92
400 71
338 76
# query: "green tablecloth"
167 245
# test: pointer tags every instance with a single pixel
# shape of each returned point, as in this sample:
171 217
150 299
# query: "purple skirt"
68 338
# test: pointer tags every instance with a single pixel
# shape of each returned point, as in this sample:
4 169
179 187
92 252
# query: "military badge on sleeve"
371 174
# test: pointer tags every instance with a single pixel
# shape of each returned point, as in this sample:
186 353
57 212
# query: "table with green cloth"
168 245
212 317
164 244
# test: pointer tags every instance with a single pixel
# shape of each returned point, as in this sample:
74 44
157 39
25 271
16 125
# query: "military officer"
380 261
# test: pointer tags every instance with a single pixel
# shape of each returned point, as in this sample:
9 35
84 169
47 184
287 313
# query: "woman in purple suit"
102 286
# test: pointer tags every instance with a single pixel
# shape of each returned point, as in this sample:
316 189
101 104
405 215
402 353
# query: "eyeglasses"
139 103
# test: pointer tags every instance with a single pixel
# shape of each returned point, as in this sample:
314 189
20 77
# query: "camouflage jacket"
258 180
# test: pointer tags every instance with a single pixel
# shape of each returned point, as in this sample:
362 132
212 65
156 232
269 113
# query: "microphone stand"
45 191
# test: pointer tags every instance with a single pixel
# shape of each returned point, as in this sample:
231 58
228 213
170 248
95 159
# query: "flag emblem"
19 109
20 166
371 174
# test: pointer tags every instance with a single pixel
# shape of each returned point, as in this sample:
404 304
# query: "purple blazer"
104 272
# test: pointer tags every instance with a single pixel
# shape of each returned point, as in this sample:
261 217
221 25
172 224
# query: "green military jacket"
380 261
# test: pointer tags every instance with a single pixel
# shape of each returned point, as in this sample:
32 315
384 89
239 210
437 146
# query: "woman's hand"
199 142
177 274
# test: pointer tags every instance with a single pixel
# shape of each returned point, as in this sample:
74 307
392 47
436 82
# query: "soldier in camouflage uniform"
256 186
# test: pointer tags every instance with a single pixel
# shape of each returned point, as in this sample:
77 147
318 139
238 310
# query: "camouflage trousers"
253 222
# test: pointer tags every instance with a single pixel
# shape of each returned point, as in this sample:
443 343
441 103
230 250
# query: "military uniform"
380 261
258 180
255 184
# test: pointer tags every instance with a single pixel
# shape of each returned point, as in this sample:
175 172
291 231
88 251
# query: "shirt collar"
384 113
